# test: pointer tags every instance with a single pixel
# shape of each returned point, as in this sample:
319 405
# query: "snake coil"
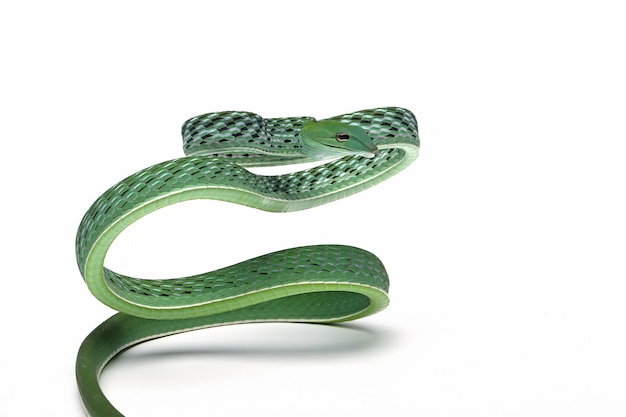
320 284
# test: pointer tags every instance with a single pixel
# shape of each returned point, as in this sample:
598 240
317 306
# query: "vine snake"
320 284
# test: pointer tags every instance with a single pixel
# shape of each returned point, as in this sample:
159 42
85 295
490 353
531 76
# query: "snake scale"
320 284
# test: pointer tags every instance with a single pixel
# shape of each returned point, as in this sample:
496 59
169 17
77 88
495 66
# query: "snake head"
326 139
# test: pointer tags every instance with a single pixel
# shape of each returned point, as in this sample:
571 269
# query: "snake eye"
342 137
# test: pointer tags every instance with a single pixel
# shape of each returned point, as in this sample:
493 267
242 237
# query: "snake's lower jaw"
370 154
368 151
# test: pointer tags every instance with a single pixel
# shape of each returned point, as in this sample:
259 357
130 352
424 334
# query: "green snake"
319 284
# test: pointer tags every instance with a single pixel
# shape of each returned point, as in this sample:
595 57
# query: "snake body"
321 284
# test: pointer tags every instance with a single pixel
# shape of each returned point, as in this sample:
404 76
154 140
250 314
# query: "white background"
504 241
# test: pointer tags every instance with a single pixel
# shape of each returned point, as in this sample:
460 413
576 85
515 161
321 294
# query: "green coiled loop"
323 284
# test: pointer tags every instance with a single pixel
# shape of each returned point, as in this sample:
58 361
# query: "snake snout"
373 151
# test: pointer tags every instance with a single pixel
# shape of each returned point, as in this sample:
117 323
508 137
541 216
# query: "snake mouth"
366 154
370 153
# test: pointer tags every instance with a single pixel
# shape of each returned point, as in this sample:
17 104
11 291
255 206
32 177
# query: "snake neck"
247 138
